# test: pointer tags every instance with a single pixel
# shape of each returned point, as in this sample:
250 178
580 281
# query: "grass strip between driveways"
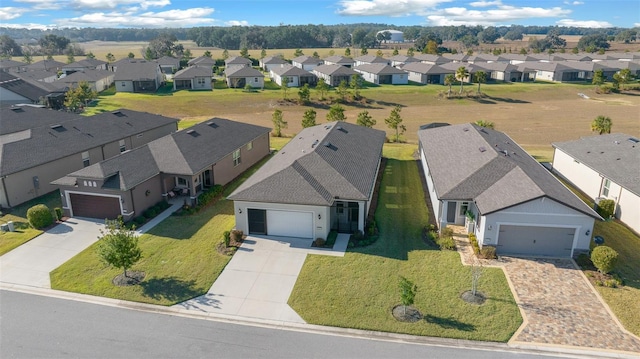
180 258
361 289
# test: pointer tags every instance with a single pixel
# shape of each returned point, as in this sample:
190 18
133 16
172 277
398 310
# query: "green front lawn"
360 289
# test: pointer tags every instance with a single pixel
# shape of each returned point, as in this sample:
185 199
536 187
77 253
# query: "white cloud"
456 16
44 4
237 23
29 26
386 7
170 18
584 23
485 3
113 4
577 3
636 24
10 13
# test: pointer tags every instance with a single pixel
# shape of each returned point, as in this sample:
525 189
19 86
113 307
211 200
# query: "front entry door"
451 212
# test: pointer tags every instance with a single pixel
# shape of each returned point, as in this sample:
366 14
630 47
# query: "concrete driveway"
31 263
561 307
259 279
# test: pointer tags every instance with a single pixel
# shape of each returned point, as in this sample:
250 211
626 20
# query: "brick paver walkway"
561 307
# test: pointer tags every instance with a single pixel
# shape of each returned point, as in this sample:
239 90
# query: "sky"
189 13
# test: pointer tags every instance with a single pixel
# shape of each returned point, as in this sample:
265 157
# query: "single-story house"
460 57
454 66
322 180
503 71
202 61
296 76
193 78
40 145
307 63
169 64
604 167
47 65
334 74
237 61
240 76
39 75
425 73
84 64
382 74
481 178
98 80
138 76
183 163
8 64
269 62
371 59
340 60
432 59
400 60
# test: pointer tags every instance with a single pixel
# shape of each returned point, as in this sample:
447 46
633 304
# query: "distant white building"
396 36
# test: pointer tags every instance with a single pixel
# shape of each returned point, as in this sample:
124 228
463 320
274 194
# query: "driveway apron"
562 308
31 263
259 279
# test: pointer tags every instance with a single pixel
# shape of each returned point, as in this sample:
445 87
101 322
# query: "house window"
605 187
236 157
464 208
201 81
123 146
182 182
86 161
250 146
122 84
255 79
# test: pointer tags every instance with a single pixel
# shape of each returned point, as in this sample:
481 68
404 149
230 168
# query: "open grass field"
533 114
360 289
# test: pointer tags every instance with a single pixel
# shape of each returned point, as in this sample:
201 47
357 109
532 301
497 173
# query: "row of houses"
121 163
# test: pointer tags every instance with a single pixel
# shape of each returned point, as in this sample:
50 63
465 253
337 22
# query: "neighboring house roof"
237 71
36 75
574 57
457 57
456 65
237 60
8 64
290 70
404 59
87 63
186 152
423 68
88 75
45 65
337 59
169 60
306 60
379 69
372 59
21 87
17 119
338 160
333 70
273 60
614 156
193 72
495 66
202 61
437 59
47 143
469 162
136 70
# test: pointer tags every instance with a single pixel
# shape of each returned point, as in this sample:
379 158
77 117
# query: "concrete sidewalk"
259 279
31 263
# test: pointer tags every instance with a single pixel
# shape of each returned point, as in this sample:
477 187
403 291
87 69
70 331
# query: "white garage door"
290 224
535 241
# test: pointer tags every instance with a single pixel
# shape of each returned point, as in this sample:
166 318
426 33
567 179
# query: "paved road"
42 327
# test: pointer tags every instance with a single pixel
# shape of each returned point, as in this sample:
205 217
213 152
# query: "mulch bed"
233 247
133 277
478 299
407 314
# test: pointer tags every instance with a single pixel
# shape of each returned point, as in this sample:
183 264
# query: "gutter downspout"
4 190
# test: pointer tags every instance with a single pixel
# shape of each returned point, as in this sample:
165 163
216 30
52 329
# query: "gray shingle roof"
237 71
88 75
614 156
322 163
75 135
21 87
237 60
337 59
306 60
22 118
192 72
290 70
379 69
423 68
468 162
88 63
136 70
45 65
334 70
202 61
372 59
273 60
186 152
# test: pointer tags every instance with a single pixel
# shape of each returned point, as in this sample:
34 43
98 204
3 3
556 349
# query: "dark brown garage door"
94 206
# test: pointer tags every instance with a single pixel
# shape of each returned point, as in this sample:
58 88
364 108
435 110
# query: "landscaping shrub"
227 238
236 235
474 243
445 241
39 216
446 232
319 242
139 220
488 252
331 239
604 258
58 212
606 208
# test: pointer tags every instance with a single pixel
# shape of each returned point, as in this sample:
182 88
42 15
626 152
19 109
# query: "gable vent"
212 124
193 133
118 113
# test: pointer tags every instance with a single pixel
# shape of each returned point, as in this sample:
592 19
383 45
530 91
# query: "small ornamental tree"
449 80
304 94
118 246
336 113
364 119
285 87
356 85
263 53
485 124
601 124
322 89
604 258
480 77
309 118
461 74
394 122
342 90
39 216
606 208
278 123
407 292
598 78
110 57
